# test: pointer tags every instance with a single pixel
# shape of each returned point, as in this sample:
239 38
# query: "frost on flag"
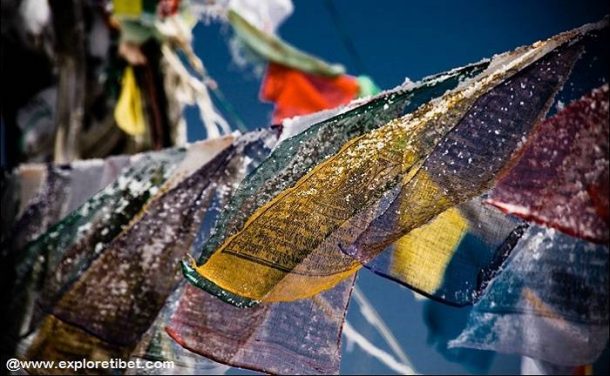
139 268
387 182
80 236
44 194
68 249
466 161
550 302
561 179
294 157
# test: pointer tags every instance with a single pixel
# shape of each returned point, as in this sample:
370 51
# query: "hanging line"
217 94
197 64
214 88
373 318
228 108
345 38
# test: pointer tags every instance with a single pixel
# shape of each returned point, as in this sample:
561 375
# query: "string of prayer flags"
418 184
138 270
320 140
79 237
275 258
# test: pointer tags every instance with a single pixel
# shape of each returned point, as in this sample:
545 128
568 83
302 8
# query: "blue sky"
395 39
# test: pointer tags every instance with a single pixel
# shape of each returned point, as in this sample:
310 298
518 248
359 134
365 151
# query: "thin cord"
387 359
372 316
345 38
229 109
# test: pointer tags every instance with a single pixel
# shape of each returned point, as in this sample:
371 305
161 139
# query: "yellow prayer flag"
128 112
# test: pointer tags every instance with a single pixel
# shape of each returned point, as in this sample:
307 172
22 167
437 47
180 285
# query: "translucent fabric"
301 337
156 345
117 298
561 179
550 302
79 236
47 193
73 255
452 257
467 160
296 156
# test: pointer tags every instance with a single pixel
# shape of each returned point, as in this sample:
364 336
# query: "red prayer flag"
298 93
